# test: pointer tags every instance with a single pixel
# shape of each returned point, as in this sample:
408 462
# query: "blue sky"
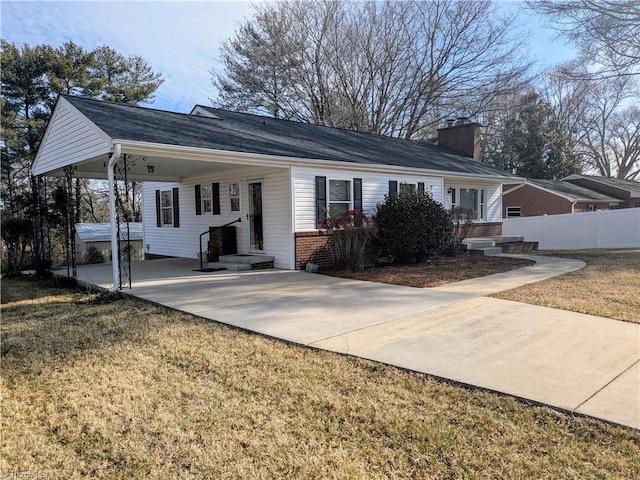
181 39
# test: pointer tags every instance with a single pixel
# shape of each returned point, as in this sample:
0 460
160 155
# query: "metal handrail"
213 229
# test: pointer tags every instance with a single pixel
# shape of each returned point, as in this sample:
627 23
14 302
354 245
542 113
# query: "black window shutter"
158 211
176 208
321 199
393 187
421 187
357 194
198 200
215 193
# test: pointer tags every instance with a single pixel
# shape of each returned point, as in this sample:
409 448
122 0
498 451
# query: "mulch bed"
438 271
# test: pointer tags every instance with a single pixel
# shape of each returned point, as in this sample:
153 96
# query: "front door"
256 223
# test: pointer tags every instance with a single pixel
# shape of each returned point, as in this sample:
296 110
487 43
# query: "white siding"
183 241
70 138
374 187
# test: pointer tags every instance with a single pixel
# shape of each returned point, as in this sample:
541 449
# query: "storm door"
256 222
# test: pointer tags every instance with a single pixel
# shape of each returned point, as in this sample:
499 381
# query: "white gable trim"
202 112
69 138
513 189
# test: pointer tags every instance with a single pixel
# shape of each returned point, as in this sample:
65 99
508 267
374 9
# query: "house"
96 237
274 179
549 197
626 190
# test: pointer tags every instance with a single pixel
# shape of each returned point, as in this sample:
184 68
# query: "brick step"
519 247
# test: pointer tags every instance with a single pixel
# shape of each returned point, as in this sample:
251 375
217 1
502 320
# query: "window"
473 198
407 187
614 206
205 193
166 197
339 196
168 207
234 197
513 212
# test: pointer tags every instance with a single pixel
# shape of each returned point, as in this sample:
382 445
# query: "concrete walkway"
576 362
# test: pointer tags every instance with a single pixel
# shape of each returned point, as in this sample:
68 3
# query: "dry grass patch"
608 286
129 390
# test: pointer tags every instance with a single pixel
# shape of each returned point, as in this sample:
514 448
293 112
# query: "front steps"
242 262
498 244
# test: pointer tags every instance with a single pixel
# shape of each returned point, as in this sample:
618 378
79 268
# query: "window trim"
513 207
166 208
174 207
348 203
481 201
204 198
235 196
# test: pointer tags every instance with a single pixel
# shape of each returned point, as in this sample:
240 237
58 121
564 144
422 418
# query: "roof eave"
279 161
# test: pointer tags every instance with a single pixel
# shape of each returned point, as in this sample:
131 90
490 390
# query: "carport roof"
254 134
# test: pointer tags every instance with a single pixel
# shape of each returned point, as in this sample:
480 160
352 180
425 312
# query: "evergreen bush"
412 226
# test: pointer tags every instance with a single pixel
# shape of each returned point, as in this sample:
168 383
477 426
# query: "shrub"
462 220
412 226
350 234
93 256
17 233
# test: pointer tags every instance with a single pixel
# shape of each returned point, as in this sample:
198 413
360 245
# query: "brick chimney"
461 135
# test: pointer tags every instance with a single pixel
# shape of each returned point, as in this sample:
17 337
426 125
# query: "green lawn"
125 389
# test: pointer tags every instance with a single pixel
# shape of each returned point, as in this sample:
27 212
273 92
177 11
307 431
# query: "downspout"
115 156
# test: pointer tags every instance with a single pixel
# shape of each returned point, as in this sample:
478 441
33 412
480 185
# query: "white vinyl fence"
601 229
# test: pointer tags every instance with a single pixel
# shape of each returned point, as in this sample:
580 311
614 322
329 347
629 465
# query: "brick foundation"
312 247
485 229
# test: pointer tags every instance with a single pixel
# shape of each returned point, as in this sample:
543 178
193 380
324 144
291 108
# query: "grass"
124 389
608 286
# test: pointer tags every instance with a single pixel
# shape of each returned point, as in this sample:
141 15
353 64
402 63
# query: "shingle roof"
242 132
630 185
578 193
101 232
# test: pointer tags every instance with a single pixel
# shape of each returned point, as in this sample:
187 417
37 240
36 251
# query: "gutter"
115 156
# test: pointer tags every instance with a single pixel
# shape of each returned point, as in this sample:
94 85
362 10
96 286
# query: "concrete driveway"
576 362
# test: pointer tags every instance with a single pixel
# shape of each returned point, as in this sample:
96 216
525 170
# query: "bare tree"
607 32
610 137
392 68
602 120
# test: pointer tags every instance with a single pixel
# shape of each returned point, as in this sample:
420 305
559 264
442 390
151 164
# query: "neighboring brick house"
628 191
547 197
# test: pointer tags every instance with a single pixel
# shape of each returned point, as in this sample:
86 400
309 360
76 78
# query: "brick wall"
312 247
584 206
485 229
533 202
